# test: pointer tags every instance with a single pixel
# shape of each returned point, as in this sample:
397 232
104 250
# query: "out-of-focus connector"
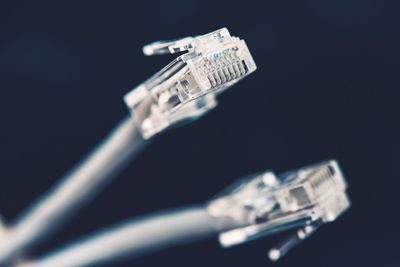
187 87
265 204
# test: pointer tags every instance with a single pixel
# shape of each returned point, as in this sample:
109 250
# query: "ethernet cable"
256 206
182 91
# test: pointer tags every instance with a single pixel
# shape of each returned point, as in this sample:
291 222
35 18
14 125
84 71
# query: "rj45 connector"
265 204
187 87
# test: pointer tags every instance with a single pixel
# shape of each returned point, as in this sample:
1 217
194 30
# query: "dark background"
327 86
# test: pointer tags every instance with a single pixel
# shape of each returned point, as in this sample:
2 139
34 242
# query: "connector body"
187 87
265 204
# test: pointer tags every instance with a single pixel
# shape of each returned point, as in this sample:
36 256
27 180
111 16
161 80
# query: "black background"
327 86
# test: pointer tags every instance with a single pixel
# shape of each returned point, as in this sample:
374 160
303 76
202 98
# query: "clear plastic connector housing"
187 87
265 204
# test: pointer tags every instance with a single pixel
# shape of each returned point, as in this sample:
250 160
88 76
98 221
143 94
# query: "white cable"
182 91
134 238
76 189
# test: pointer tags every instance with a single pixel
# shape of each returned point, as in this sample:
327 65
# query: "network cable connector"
187 87
266 203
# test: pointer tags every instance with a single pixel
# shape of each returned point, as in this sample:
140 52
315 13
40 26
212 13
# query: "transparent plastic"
187 87
265 204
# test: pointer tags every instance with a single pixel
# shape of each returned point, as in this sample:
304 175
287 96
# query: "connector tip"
148 50
274 254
